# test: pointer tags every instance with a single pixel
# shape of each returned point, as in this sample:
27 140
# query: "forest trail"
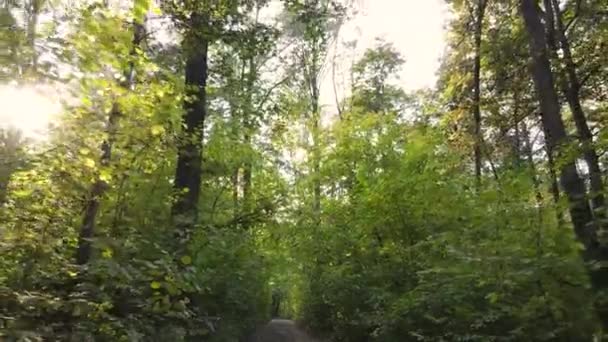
280 330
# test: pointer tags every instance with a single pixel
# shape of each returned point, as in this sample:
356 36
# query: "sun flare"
28 108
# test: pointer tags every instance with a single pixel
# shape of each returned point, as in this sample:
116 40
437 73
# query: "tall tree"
87 229
314 23
480 8
374 75
187 183
556 137
571 88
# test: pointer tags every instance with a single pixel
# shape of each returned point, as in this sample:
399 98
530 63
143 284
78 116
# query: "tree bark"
570 180
87 229
187 183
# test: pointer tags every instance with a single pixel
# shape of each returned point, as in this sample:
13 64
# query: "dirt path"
280 330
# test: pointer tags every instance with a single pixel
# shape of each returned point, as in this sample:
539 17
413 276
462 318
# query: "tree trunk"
480 11
187 183
517 146
248 131
316 157
570 180
529 154
87 229
571 90
554 187
234 179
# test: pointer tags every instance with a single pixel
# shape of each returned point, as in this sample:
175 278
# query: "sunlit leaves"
140 9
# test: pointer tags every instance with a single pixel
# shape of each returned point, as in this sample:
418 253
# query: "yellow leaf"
22 193
90 163
105 175
156 10
155 285
186 260
157 130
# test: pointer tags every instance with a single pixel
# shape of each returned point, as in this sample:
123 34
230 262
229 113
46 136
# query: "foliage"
370 226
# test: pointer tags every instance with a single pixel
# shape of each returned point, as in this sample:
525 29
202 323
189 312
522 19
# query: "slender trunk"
248 127
248 131
519 134
538 195
517 146
87 229
570 180
316 153
189 154
247 180
571 89
333 81
529 154
554 186
315 116
480 10
234 179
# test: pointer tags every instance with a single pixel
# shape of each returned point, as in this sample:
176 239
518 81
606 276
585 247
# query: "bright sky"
30 109
415 27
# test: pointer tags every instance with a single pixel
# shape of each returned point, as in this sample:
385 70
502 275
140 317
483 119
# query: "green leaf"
140 9
493 297
107 253
186 260
155 285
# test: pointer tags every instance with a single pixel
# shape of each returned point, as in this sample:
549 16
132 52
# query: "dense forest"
195 185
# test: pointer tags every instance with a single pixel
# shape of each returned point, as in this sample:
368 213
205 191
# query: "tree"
480 8
314 24
373 73
555 132
571 88
87 229
223 194
188 171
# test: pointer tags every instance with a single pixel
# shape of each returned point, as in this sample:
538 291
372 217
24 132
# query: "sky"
415 27
30 109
